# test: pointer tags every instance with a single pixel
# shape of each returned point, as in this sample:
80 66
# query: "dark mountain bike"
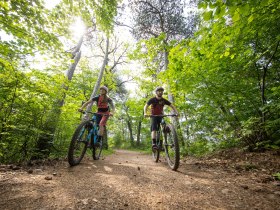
167 140
84 137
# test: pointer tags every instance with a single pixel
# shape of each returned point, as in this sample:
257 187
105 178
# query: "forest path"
131 180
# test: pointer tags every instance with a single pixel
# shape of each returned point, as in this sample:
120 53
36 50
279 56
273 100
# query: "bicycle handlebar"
84 112
163 115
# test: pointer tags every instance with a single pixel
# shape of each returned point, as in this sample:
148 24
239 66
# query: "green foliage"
227 73
199 148
277 176
101 12
30 96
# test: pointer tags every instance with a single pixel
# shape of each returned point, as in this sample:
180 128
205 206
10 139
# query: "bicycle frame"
95 128
92 132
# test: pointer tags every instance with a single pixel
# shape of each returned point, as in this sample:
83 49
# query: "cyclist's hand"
177 115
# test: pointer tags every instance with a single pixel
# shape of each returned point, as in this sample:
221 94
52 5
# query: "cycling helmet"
104 88
159 88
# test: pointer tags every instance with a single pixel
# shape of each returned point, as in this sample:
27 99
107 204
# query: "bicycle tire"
171 147
96 150
155 154
78 145
105 139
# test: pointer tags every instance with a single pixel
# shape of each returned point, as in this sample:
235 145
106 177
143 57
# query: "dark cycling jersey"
157 105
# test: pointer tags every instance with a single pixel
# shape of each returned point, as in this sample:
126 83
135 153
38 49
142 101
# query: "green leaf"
251 18
236 16
207 15
202 5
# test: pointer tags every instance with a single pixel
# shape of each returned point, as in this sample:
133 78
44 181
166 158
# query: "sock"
154 141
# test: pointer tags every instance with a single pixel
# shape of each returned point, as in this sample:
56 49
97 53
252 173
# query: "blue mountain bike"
84 137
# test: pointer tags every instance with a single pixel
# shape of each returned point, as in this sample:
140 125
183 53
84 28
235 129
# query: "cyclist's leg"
153 132
98 119
155 123
102 123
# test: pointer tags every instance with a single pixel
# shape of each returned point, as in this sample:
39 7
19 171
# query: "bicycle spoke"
97 149
79 142
172 148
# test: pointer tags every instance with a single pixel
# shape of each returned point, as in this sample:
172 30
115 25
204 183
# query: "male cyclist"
157 103
103 102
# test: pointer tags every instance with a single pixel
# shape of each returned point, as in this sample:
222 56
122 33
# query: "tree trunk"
139 131
175 121
97 86
45 140
128 121
100 75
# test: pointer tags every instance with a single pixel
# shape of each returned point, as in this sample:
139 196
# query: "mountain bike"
84 137
167 140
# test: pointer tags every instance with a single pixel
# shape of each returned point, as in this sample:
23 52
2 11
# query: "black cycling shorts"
155 123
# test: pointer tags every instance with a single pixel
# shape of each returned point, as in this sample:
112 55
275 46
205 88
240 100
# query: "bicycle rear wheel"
97 149
78 145
171 147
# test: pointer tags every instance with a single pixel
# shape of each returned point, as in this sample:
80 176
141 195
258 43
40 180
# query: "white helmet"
159 88
104 88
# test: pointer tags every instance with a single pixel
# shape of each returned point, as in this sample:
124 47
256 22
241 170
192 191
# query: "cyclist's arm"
85 104
174 109
111 103
145 109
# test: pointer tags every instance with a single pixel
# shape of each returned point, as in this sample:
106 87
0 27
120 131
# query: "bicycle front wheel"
171 147
155 154
97 149
78 145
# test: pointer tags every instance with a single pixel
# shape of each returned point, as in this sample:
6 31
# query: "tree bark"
45 140
139 126
100 75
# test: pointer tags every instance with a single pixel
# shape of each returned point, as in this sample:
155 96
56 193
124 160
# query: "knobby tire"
171 146
78 145
96 151
155 154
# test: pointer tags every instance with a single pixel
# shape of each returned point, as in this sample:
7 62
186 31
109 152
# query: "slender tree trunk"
45 140
129 126
100 75
97 86
171 99
139 131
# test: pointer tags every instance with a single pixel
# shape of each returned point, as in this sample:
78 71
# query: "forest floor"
131 180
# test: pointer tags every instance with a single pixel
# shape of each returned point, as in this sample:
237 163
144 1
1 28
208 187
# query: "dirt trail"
131 180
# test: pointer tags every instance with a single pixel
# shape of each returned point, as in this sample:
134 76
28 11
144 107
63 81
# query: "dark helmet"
159 88
104 88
